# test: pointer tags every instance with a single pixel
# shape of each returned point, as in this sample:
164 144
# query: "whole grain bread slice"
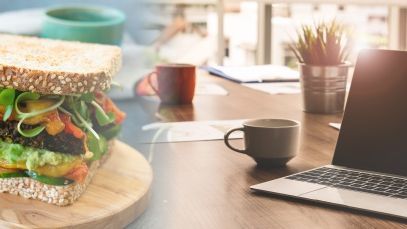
56 67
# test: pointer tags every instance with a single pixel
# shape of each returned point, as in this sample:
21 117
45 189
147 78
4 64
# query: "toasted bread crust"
56 67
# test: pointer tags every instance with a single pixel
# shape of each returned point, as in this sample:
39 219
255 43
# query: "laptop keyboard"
355 180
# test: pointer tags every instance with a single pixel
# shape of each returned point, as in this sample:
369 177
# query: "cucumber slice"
58 181
13 174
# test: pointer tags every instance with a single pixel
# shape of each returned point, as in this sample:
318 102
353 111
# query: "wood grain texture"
118 193
206 185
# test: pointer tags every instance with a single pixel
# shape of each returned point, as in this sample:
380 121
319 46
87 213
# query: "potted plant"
322 51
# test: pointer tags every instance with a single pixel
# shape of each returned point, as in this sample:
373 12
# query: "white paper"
335 125
193 130
276 88
257 73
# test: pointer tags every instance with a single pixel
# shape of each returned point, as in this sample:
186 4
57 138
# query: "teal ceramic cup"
84 23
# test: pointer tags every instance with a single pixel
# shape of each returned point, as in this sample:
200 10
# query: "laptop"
369 167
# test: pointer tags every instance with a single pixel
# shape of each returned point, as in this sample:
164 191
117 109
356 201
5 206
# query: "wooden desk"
206 185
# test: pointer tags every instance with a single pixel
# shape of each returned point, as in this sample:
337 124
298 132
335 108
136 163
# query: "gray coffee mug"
270 142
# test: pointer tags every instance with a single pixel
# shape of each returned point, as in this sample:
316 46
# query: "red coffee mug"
175 83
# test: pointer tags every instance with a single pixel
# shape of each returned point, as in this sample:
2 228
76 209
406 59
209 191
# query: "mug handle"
226 139
150 81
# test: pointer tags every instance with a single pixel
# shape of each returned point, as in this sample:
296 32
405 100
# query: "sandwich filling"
53 138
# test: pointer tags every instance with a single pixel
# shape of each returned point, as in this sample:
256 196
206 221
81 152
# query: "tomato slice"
79 173
108 106
111 107
70 128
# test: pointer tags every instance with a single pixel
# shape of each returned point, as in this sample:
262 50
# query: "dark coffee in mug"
174 83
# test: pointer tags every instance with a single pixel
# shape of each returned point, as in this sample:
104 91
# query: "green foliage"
7 99
97 146
78 107
322 44
111 132
103 118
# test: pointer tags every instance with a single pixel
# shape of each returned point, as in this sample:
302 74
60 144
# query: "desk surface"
206 185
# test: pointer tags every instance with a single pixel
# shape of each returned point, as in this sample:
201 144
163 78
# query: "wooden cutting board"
117 195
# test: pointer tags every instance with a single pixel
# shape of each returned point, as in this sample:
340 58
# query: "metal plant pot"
323 88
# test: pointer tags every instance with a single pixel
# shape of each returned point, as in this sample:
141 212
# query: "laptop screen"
373 134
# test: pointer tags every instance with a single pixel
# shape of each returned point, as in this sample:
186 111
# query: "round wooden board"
116 196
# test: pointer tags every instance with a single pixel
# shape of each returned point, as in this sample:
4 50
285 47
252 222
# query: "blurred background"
131 8
217 32
256 32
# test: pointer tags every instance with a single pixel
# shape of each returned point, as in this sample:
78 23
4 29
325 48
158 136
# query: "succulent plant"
322 44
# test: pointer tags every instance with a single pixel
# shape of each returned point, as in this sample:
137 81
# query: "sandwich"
57 123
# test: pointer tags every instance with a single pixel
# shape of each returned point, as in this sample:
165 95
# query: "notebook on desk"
255 74
369 168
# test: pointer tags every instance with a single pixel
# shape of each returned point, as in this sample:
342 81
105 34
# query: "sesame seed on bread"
56 67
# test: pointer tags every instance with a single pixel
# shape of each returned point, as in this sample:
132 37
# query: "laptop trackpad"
360 200
287 187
